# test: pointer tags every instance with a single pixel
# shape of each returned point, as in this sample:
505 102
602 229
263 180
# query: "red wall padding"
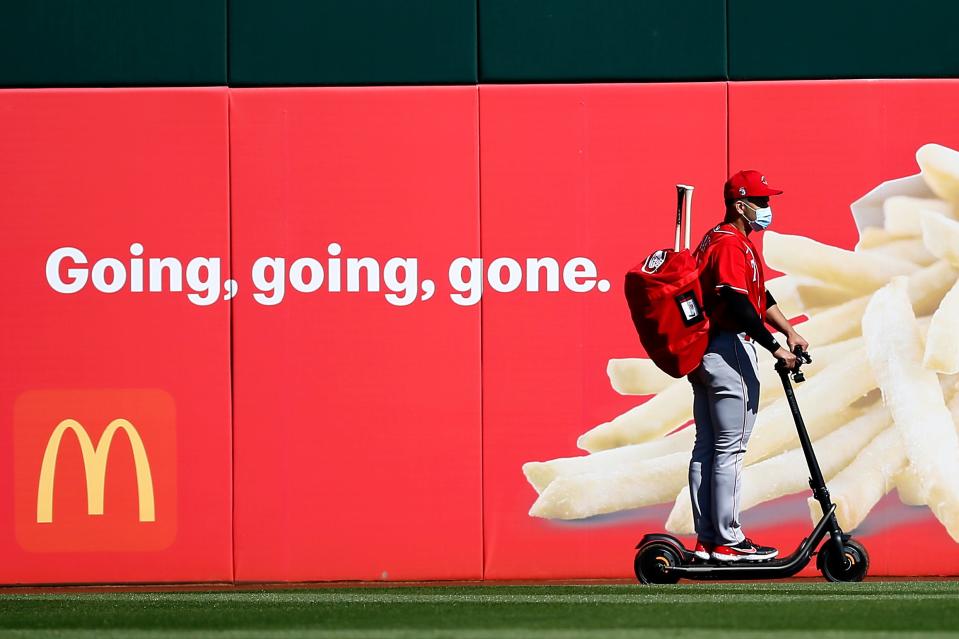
357 424
579 170
99 170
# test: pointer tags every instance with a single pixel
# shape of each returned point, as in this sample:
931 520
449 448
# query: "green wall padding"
352 42
601 40
843 39
112 43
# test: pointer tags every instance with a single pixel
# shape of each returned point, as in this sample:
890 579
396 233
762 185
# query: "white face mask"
764 217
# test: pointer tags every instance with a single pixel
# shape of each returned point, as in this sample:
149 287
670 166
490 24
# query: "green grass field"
700 611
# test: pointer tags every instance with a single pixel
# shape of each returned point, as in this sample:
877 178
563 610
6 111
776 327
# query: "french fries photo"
880 402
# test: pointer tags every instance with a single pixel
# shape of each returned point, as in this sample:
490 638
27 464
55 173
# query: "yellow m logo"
95 467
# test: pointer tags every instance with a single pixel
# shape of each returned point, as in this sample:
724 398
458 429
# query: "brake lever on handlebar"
802 357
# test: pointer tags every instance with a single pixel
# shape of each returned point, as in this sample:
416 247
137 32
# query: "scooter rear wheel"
653 562
852 565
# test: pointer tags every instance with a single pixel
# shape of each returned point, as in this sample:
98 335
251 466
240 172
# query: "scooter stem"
816 481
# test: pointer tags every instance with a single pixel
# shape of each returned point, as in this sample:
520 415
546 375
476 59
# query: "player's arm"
741 310
776 318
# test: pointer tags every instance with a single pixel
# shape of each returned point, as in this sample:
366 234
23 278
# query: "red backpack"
665 301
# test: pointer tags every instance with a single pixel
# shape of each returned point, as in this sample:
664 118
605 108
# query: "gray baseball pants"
725 402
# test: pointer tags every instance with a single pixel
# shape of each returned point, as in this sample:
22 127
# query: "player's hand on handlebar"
786 357
793 340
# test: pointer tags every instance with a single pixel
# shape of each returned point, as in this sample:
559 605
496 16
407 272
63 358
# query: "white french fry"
913 250
788 473
680 520
860 486
834 324
656 417
654 481
873 236
915 400
940 170
638 376
928 285
942 341
796 295
901 213
825 400
785 290
941 236
540 474
953 407
859 273
907 481
926 288
816 294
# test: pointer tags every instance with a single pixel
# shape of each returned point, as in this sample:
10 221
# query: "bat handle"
684 197
680 198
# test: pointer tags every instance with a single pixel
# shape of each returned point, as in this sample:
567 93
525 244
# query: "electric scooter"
662 559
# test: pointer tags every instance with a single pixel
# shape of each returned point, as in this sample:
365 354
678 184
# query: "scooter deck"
747 569
693 567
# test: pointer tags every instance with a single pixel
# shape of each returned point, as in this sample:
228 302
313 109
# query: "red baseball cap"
747 184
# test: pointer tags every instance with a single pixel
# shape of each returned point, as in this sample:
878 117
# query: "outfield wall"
237 398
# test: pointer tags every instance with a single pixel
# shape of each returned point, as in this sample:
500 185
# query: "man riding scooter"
726 384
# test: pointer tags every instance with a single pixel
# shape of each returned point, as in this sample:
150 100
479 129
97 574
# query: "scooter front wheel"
852 565
653 562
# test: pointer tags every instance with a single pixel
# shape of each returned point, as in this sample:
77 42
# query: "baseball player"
726 384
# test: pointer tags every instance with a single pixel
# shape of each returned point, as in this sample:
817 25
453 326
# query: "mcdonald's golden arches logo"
66 442
95 467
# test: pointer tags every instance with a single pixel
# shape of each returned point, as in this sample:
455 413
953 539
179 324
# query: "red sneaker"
703 548
745 550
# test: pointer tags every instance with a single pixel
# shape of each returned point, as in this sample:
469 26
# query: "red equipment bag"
665 301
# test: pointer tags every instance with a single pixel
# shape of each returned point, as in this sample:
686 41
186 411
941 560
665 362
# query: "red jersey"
726 257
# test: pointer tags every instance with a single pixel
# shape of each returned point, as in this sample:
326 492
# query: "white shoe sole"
757 557
702 554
